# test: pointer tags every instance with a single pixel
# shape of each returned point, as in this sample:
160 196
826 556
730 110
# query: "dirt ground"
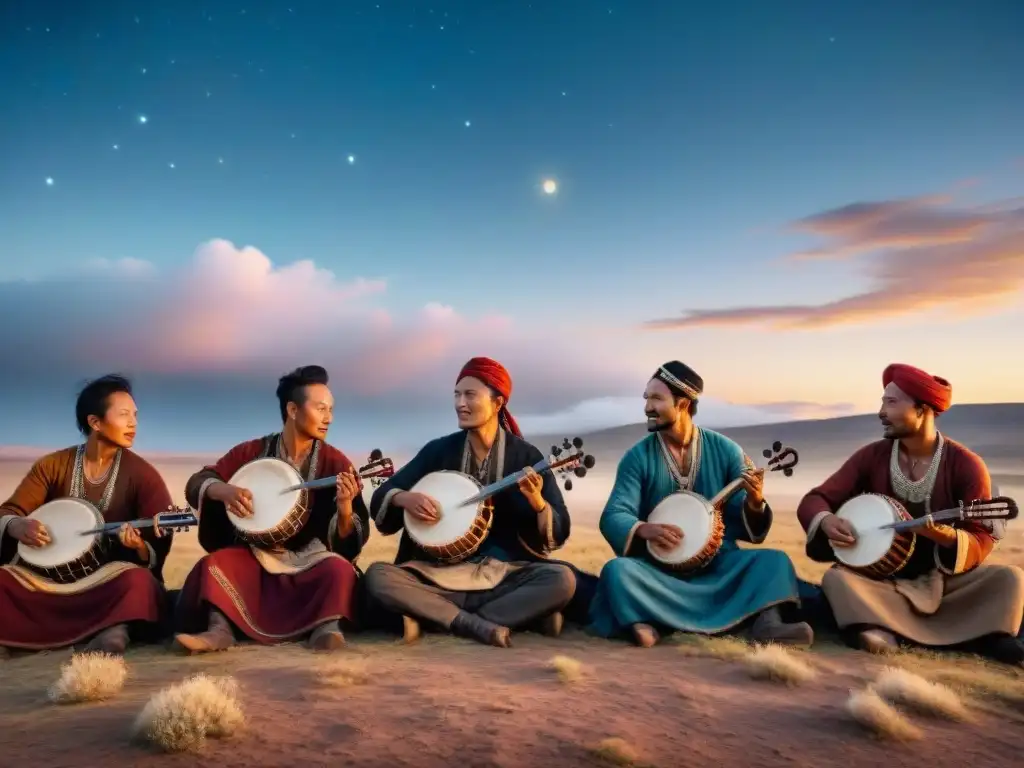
447 701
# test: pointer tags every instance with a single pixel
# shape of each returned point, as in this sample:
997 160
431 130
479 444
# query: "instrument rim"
479 506
301 501
92 538
711 514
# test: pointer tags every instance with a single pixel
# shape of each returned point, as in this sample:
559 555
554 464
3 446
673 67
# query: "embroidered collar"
684 482
492 468
78 479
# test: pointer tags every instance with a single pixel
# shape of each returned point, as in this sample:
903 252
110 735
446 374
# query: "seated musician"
125 596
943 596
638 595
306 586
506 584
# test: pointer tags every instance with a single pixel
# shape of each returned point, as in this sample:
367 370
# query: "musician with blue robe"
638 596
507 583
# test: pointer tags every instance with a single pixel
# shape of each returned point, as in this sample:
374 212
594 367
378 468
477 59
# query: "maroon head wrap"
933 391
493 374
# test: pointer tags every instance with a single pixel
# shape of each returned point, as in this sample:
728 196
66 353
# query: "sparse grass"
968 675
89 677
879 717
568 670
615 751
344 674
723 647
181 717
914 692
777 664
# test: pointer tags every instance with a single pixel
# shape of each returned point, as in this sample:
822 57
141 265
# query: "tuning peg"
556 451
777 446
376 454
568 485
580 471
767 453
788 471
588 461
566 444
578 442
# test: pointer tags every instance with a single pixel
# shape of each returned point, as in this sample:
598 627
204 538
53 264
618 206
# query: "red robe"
962 476
35 614
273 607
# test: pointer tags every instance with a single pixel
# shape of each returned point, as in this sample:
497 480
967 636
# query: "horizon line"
24 452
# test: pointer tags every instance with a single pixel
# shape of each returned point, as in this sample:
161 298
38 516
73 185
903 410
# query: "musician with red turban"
302 589
945 596
507 583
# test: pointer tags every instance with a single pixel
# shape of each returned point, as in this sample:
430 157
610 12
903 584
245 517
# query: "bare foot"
645 635
411 631
878 641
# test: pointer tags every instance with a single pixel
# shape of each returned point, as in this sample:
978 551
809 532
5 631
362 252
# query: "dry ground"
445 701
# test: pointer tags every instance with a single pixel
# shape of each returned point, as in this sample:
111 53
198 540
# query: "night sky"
205 195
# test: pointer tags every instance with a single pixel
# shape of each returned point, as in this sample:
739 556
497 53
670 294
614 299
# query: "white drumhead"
65 519
691 515
265 479
866 513
449 489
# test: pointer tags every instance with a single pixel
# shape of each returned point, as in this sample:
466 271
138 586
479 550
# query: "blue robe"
736 585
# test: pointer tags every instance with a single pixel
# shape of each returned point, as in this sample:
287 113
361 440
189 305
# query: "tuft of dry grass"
775 663
872 712
914 692
568 670
721 647
615 751
89 677
179 718
344 674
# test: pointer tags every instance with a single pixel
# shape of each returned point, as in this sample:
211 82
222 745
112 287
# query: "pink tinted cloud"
920 254
231 311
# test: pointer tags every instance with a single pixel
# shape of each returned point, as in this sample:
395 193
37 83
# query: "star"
49 181
468 123
171 166
549 186
117 146
143 119
220 161
351 159
144 70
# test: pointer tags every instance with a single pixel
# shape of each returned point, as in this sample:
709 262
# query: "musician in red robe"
508 583
945 596
123 598
306 586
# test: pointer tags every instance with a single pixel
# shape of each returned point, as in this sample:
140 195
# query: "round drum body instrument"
702 527
277 514
462 528
877 553
71 554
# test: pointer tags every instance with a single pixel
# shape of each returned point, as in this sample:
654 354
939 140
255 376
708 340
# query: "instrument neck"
721 498
507 482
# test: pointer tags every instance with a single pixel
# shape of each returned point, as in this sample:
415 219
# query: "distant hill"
995 431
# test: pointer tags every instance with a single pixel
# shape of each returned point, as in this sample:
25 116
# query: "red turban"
493 374
933 391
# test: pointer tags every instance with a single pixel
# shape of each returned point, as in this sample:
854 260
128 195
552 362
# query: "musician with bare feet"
943 596
123 596
506 583
642 597
302 586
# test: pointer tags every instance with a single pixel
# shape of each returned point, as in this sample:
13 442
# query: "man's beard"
896 431
659 425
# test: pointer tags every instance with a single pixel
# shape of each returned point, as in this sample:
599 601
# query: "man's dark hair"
93 399
291 388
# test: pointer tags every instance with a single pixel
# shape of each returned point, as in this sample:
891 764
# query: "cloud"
231 315
920 253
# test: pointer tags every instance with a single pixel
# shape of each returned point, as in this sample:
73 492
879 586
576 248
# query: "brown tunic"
944 595
45 614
